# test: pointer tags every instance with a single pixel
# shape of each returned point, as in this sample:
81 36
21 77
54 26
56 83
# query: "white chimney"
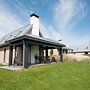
34 20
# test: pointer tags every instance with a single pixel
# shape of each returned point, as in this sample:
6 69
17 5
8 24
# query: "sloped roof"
26 32
37 40
16 33
45 39
82 51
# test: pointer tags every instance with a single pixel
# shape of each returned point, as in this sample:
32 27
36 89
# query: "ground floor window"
4 55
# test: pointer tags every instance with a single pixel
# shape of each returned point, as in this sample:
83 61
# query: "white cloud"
8 22
49 32
21 7
65 12
68 11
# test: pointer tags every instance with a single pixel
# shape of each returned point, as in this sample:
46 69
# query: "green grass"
2 65
60 76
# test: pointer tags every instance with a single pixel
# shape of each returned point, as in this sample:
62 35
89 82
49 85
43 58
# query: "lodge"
27 45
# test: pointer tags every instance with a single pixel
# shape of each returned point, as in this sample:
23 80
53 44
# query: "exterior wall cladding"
4 56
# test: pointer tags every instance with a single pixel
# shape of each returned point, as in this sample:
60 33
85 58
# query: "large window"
4 55
16 53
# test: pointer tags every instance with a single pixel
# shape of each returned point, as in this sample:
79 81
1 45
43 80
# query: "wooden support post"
10 54
61 55
25 54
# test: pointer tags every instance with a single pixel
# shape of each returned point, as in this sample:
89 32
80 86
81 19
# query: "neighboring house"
67 50
26 45
54 53
82 51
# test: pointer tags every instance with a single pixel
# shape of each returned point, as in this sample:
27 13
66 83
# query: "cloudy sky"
68 20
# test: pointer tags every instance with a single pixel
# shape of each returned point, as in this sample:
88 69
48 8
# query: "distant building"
65 50
84 49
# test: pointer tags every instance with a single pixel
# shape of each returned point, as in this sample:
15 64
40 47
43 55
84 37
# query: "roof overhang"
66 48
35 39
81 51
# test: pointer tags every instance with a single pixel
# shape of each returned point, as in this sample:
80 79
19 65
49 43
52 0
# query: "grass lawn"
60 76
2 65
